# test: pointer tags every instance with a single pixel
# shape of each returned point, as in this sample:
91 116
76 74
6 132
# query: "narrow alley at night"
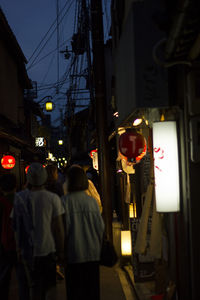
99 149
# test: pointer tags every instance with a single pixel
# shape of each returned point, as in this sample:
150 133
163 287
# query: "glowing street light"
49 105
60 142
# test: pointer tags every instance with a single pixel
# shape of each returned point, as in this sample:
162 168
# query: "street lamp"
49 105
60 142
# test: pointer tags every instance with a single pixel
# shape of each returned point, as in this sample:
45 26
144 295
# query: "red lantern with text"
132 145
8 162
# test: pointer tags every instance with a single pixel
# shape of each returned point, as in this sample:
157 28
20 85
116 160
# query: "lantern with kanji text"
132 145
8 161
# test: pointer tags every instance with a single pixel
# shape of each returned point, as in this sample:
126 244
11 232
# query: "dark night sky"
30 20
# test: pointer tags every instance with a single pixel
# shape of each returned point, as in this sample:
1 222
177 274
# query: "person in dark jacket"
8 255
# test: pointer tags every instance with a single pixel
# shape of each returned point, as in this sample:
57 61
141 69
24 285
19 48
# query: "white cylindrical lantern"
126 246
166 166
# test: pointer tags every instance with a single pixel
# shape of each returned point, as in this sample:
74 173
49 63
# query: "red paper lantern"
26 169
132 145
8 162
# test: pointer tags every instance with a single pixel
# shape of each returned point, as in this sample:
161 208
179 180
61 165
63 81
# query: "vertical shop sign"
166 167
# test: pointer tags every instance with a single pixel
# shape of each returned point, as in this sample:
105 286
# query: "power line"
49 37
48 69
49 53
44 37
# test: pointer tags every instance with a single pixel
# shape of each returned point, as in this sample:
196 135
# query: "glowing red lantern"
132 145
26 169
8 162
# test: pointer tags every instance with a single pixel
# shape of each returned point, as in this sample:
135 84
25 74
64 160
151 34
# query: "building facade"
16 114
156 71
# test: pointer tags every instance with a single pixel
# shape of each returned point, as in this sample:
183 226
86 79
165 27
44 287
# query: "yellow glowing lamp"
60 142
126 245
166 167
162 118
132 210
49 105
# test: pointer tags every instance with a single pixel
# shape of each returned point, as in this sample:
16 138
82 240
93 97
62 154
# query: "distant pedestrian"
84 233
52 183
65 170
8 255
45 210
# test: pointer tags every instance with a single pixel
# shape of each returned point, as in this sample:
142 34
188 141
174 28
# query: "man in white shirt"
46 210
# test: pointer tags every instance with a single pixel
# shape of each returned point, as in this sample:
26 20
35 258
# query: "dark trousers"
82 281
44 276
8 262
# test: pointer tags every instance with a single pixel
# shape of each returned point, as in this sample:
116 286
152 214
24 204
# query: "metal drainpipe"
176 29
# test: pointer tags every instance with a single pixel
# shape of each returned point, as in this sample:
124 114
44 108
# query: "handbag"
108 256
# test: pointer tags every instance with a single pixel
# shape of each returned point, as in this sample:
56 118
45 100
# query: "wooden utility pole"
101 112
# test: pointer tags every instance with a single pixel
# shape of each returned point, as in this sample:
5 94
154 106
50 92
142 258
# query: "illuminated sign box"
94 156
40 142
166 166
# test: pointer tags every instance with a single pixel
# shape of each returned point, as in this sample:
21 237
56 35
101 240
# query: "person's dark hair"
8 182
76 179
51 171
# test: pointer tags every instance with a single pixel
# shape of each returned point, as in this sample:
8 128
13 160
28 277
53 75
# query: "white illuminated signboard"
40 142
166 167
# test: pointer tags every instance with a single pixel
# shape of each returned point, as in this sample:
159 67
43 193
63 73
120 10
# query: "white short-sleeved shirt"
45 206
84 228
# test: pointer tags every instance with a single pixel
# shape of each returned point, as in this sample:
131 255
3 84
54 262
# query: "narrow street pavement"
114 285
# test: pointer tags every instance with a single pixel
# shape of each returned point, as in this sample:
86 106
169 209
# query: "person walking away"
53 184
84 233
91 190
8 256
45 210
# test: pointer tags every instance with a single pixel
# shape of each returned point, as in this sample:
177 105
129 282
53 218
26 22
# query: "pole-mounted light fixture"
49 105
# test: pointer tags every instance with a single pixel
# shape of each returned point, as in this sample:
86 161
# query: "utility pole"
58 45
100 111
